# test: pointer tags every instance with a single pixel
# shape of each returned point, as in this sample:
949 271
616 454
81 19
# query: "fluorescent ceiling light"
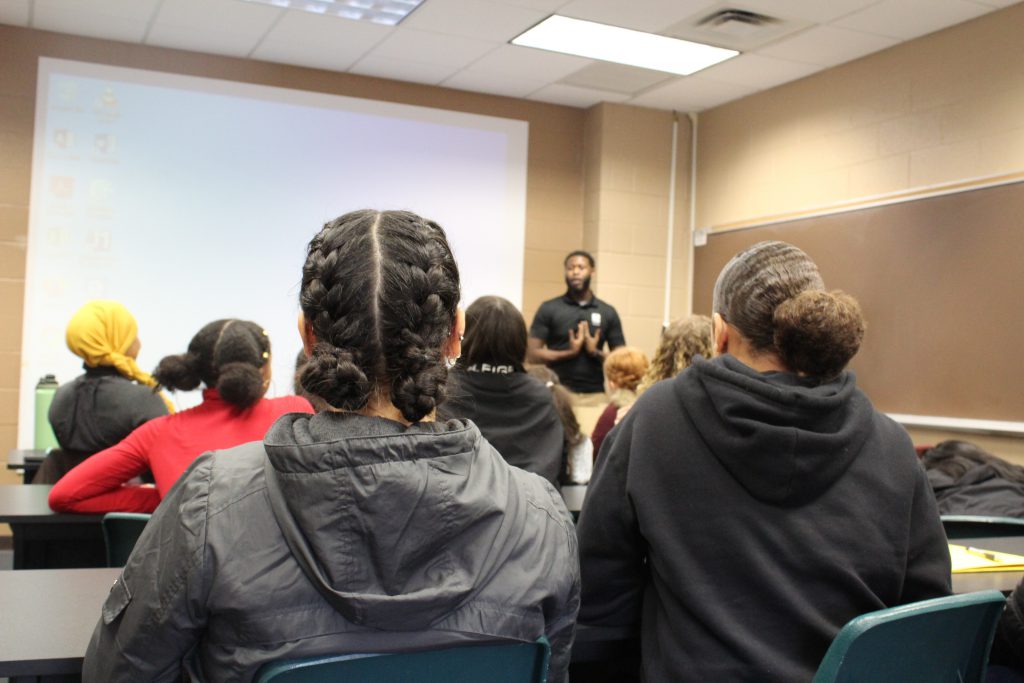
622 45
387 12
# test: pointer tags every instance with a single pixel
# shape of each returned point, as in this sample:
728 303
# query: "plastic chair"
932 641
120 532
971 526
501 662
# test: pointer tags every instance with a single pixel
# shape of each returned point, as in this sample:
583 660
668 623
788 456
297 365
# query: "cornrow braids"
227 355
380 291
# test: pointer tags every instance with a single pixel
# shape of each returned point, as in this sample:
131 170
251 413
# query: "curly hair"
380 291
226 355
625 366
680 343
773 294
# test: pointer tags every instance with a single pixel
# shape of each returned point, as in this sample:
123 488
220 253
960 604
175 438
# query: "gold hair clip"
266 355
265 333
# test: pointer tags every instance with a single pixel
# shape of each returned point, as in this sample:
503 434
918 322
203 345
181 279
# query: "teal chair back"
974 526
504 662
945 640
120 532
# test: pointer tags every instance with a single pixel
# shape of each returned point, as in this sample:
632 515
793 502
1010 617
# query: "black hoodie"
743 518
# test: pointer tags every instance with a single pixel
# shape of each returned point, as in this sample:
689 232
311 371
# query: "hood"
784 438
385 520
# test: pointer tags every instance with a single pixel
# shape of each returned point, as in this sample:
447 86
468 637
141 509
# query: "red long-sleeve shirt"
166 446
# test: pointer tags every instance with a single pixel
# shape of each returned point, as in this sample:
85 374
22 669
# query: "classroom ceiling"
464 44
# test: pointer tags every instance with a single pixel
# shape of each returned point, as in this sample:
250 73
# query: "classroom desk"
44 539
573 497
27 460
979 581
48 636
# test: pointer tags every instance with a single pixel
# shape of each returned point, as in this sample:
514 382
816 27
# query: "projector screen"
192 199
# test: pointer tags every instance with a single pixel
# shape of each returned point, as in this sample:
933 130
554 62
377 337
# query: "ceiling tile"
691 93
754 71
481 19
640 15
14 12
201 39
239 19
814 11
827 46
908 19
546 6
510 86
576 97
527 62
402 70
617 78
124 20
320 41
411 45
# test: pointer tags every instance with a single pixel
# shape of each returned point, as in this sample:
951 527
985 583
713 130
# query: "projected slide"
192 199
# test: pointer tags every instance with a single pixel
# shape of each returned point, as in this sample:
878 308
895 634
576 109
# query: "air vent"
735 25
736 22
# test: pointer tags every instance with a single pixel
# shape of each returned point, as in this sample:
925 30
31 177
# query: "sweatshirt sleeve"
156 611
928 563
561 629
97 484
612 550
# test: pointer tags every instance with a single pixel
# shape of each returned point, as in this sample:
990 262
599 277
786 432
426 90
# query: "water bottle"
44 437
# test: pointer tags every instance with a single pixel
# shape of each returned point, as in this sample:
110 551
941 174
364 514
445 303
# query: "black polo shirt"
582 373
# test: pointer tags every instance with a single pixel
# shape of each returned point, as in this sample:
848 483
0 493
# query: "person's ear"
307 335
453 347
720 333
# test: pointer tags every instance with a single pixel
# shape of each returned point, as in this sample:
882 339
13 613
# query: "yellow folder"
967 559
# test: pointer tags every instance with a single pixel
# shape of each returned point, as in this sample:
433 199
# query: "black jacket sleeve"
612 550
928 564
156 610
1008 646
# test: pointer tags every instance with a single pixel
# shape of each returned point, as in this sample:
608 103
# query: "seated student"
99 408
513 411
750 507
577 450
232 358
680 343
1008 644
623 369
967 480
366 527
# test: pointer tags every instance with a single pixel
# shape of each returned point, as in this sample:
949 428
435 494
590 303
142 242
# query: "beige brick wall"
940 109
627 171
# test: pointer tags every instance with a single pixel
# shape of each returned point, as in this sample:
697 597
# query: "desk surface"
47 617
27 504
573 497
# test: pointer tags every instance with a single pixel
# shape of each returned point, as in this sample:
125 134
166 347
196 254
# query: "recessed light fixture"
387 12
622 45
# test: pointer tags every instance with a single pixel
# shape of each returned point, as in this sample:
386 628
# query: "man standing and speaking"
574 332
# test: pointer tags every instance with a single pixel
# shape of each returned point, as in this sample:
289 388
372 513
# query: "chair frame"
834 666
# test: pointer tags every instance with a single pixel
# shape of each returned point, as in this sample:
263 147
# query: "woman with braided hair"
232 359
369 526
745 510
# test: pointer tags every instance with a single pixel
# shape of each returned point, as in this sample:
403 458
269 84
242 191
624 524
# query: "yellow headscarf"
100 332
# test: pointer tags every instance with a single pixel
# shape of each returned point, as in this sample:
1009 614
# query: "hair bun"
240 384
334 375
817 333
179 372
